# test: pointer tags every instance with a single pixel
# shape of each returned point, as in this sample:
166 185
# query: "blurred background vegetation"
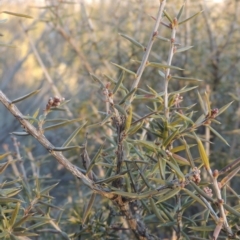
67 40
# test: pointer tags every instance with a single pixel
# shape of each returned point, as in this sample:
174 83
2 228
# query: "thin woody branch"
149 46
29 128
134 225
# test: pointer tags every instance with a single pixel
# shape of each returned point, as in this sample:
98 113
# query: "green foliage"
25 206
148 166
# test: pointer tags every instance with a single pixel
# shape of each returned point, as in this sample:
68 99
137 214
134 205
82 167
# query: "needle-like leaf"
25 96
17 14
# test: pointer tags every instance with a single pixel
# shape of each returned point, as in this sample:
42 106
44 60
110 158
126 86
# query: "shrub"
145 171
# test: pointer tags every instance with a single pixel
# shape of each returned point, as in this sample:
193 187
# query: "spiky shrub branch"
150 181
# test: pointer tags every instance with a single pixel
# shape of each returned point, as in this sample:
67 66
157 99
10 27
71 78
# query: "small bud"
220 201
155 34
214 112
208 191
196 175
56 99
53 102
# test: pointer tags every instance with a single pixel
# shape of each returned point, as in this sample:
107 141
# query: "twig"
167 72
148 48
220 202
44 69
137 226
11 160
43 140
75 48
147 52
20 161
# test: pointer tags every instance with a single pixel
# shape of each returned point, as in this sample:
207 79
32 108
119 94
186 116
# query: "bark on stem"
217 191
149 47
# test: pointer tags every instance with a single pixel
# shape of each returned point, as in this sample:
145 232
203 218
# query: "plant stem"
20 161
149 47
167 72
44 69
47 145
137 226
217 191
